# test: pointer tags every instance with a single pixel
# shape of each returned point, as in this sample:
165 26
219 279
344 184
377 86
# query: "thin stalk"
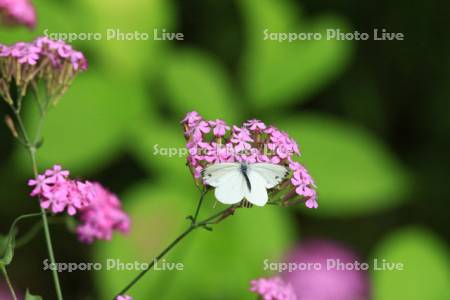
27 237
191 228
200 202
31 147
48 240
152 263
8 282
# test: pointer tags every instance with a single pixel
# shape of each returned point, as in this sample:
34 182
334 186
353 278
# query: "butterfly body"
244 169
236 181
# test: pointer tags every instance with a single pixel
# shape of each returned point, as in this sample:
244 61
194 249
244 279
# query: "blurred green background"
370 116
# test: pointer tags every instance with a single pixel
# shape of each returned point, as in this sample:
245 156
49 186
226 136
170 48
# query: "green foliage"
354 172
195 81
277 73
8 243
150 137
158 215
84 131
426 267
124 57
29 296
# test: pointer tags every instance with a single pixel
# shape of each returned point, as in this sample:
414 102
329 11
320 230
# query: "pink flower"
102 216
5 51
78 61
54 63
26 54
58 52
272 289
99 211
312 202
191 118
57 192
57 174
254 142
242 139
324 282
224 153
124 297
304 184
200 129
63 49
255 125
18 12
220 127
41 185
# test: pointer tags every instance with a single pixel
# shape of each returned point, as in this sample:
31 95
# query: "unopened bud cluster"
43 62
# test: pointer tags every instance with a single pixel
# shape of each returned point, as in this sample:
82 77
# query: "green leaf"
426 267
152 141
159 215
88 127
123 52
8 250
8 243
195 81
29 296
279 73
354 172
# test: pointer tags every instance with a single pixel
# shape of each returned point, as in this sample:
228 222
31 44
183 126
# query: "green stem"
48 240
27 237
191 228
200 202
32 151
51 255
152 263
8 282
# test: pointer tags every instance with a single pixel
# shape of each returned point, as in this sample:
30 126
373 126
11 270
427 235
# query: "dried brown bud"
10 123
4 92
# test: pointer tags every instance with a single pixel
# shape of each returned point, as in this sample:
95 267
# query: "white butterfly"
236 181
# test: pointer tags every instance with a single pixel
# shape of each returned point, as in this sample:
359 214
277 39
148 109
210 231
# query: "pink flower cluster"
273 289
102 217
326 283
43 49
212 142
124 297
99 211
57 192
26 64
18 12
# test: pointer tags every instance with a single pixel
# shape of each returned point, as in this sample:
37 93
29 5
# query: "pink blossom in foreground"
210 142
102 217
58 193
99 211
326 282
124 297
18 12
272 289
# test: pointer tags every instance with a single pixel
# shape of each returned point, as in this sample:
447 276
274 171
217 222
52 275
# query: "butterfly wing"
215 174
231 186
271 173
257 195
228 180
